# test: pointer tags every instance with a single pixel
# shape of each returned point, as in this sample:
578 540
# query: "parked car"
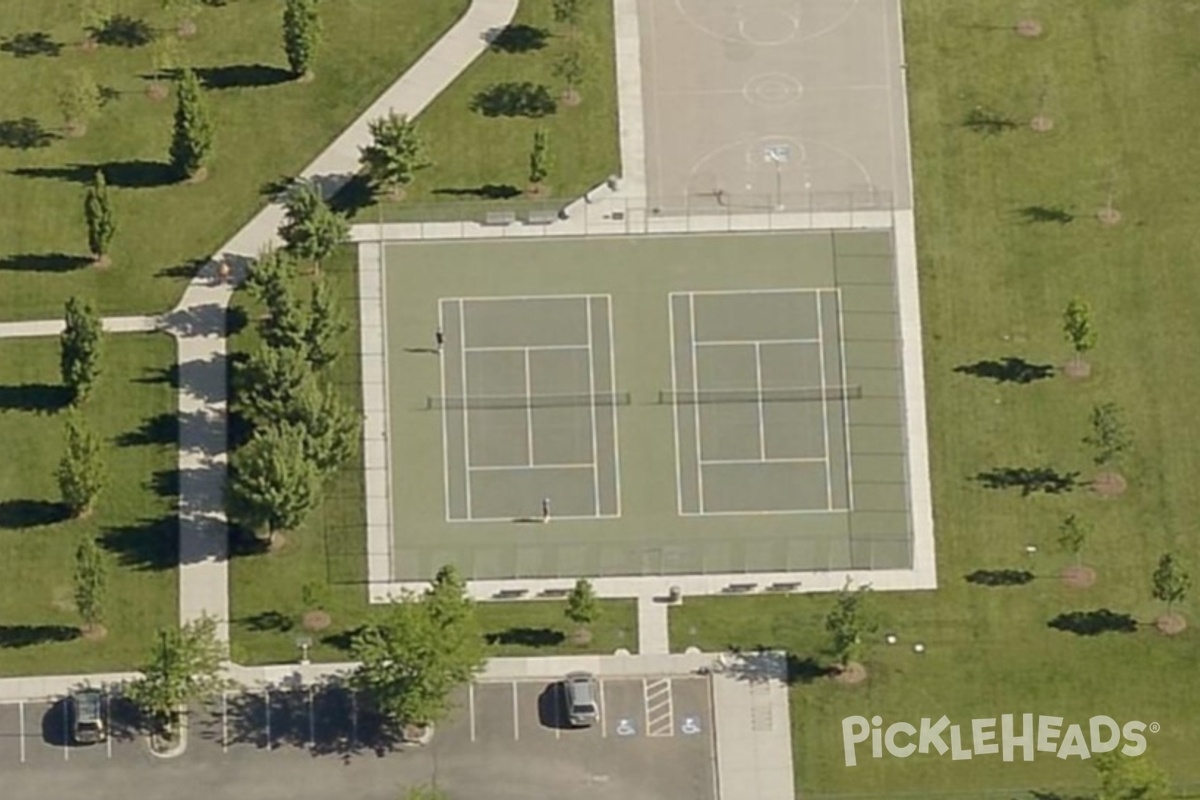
87 716
581 691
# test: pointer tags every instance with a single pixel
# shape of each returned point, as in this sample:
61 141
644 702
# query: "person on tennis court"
439 338
545 509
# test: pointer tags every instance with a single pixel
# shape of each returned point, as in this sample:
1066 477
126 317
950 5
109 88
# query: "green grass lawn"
267 127
133 411
266 589
994 284
477 158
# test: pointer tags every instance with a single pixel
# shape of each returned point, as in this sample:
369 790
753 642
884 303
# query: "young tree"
1077 327
271 383
569 66
80 472
567 12
79 349
184 666
1109 436
326 326
1130 778
79 100
184 12
269 277
311 229
274 485
301 35
396 152
848 622
582 607
91 584
331 427
97 211
285 325
192 139
164 57
539 157
1171 581
416 655
447 600
1072 534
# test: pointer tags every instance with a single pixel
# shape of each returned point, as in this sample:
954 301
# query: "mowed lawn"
994 281
479 160
267 126
133 412
329 552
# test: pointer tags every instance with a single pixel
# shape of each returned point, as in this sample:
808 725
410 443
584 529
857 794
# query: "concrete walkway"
53 327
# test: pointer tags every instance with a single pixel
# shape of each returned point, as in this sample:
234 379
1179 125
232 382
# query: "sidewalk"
53 327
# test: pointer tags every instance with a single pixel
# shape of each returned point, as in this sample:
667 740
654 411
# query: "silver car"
581 690
87 717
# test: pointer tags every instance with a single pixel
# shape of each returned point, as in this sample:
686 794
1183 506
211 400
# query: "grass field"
267 127
477 158
266 589
133 411
1007 235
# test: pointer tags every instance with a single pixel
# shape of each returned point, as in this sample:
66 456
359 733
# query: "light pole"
303 642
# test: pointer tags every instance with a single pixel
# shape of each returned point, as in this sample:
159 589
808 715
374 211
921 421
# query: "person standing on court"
545 509
439 338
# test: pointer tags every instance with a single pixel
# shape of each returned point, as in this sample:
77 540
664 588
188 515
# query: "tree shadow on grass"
43 398
265 621
999 577
988 122
149 544
16 636
25 133
355 195
806 670
133 174
488 191
242 76
43 262
1030 480
159 429
526 637
1034 214
31 43
1093 623
122 30
514 99
20 514
1010 369
516 38
1037 794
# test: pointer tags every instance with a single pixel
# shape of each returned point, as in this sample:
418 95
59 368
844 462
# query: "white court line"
516 714
675 406
762 513
707 463
557 518
445 419
21 708
462 337
824 406
501 468
528 412
505 298
744 342
612 376
758 387
603 713
471 708
518 348
224 722
752 291
592 402
845 404
696 388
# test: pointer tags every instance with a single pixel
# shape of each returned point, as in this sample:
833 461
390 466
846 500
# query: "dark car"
87 716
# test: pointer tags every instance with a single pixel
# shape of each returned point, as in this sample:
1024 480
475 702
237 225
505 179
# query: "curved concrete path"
199 323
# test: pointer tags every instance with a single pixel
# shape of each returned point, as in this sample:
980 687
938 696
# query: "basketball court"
793 105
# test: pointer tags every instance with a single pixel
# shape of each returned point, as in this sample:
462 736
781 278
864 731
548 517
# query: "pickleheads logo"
1016 733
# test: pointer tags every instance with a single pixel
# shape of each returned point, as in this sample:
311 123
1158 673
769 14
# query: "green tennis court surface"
661 405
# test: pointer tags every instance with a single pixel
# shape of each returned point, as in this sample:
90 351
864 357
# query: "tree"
79 349
301 35
271 383
97 210
164 57
81 470
569 67
184 666
94 16
311 229
848 622
91 583
326 326
1130 778
582 608
568 12
269 276
274 485
1109 436
1077 327
79 99
1171 581
396 152
418 652
539 157
1072 534
192 140
331 427
285 326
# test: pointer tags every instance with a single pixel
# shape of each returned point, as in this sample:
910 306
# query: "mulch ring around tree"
93 633
316 620
1108 216
1077 369
1041 124
571 97
851 674
157 92
1029 28
1109 484
1171 624
1078 577
581 637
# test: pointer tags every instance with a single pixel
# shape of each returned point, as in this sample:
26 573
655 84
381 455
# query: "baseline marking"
824 405
718 461
744 342
696 388
758 513
675 406
495 468
845 405
592 402
462 338
517 348
612 370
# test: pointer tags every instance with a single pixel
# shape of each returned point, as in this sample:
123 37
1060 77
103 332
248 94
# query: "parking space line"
21 705
603 714
66 731
471 708
224 722
267 705
560 706
353 719
108 723
516 714
312 722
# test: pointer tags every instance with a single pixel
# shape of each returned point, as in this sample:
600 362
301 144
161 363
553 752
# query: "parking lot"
508 739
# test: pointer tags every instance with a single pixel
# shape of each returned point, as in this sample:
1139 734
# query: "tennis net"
527 401
782 395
